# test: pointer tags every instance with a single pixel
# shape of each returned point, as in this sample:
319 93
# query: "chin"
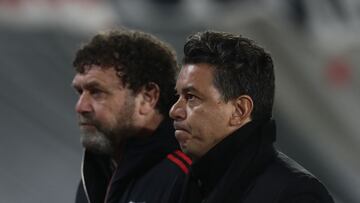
187 152
97 143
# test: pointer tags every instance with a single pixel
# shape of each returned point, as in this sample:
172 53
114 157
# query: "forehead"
96 74
195 74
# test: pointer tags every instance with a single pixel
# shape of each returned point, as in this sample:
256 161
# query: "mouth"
87 126
180 127
182 134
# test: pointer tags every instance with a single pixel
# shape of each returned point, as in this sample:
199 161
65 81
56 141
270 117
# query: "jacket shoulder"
174 166
181 160
163 182
284 180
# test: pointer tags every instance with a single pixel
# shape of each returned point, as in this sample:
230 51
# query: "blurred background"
315 46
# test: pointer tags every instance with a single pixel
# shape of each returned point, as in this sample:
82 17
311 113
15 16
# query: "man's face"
201 116
105 109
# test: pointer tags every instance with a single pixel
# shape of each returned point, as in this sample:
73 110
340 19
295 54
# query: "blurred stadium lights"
226 1
76 15
335 25
184 14
166 1
154 14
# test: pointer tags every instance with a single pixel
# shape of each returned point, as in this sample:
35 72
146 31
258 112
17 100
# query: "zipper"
83 178
109 186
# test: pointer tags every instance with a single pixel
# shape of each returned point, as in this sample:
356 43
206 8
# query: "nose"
83 104
177 111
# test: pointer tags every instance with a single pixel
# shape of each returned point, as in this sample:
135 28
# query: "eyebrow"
88 85
190 88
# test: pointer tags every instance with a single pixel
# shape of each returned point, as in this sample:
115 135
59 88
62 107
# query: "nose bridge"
177 111
83 104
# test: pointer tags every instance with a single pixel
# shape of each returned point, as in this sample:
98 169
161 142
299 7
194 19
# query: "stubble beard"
96 141
105 138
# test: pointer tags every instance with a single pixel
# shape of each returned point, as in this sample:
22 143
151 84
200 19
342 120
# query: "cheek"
208 125
104 115
200 123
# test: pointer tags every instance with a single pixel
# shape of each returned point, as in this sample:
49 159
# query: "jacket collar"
96 170
139 155
241 152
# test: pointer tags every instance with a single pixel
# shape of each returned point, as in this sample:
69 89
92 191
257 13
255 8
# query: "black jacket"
152 170
246 168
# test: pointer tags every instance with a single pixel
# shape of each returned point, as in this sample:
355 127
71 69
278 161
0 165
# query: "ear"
149 96
242 112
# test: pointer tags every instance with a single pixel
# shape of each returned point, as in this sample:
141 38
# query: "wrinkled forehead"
96 74
88 67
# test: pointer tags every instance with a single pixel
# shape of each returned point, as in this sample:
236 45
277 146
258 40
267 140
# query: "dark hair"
240 67
139 58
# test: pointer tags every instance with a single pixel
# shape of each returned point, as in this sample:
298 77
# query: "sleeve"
180 163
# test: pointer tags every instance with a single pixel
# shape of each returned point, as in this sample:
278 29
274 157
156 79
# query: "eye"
177 95
79 91
190 97
96 92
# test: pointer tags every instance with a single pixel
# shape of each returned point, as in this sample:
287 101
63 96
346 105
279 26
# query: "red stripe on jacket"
178 162
183 156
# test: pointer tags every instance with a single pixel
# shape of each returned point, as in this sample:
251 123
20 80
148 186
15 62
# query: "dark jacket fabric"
152 170
246 168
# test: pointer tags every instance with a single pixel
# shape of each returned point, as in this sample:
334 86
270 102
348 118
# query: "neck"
148 125
153 123
140 131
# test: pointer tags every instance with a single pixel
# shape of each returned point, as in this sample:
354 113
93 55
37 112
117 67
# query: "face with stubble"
201 117
105 109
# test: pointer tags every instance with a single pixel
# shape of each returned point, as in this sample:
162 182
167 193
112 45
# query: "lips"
86 124
182 134
86 121
179 126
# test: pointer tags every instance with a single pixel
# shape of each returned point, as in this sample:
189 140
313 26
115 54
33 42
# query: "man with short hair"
223 121
125 81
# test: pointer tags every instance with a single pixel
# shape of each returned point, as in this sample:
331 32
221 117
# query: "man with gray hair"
125 82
